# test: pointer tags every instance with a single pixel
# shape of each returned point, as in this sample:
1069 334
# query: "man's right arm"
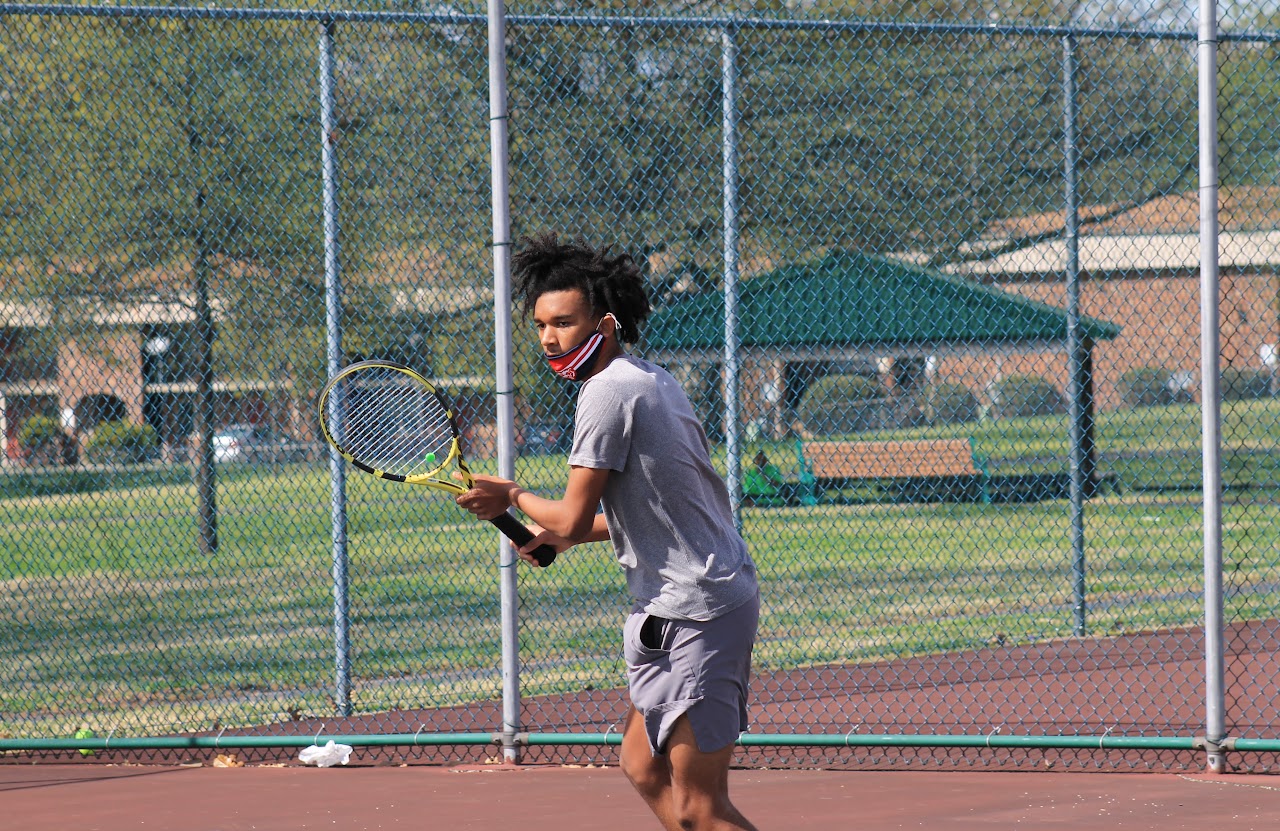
572 517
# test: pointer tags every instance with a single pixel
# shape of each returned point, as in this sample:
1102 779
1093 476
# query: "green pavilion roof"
847 299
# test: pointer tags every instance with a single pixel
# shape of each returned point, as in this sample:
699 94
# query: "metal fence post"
1070 155
333 327
1211 392
729 104
503 372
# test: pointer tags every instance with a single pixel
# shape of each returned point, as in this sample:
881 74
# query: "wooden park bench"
912 470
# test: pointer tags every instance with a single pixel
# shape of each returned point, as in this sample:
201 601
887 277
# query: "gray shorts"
699 668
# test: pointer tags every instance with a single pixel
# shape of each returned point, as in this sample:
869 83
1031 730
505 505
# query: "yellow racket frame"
505 522
432 477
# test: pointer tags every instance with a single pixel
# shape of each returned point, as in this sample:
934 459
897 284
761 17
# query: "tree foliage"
874 141
133 137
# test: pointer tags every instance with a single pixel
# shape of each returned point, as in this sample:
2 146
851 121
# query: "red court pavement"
102 798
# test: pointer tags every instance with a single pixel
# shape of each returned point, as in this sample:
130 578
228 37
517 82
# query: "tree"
193 184
876 141
180 160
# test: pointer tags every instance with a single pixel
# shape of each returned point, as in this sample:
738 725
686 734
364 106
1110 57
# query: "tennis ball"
85 733
431 458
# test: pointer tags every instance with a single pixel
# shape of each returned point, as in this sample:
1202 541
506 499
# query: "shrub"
40 433
1020 396
1146 386
122 441
43 440
841 404
951 404
1245 384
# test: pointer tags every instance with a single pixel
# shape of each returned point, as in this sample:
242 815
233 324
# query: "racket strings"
389 422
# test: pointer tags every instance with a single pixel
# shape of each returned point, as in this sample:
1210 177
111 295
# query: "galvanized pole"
729 103
333 330
502 356
1210 388
1070 154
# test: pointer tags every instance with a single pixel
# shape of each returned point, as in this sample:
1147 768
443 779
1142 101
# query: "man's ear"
616 324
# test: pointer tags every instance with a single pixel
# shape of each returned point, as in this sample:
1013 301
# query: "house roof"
1135 253
416 279
23 315
1244 208
848 299
177 309
424 280
1162 234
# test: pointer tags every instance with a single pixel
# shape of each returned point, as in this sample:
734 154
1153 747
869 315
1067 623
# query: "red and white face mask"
577 362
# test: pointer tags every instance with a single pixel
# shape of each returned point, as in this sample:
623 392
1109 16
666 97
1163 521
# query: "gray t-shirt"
668 510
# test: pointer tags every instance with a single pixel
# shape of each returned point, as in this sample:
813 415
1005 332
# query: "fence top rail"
717 22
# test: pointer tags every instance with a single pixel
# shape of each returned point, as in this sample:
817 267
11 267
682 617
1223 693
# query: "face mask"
578 361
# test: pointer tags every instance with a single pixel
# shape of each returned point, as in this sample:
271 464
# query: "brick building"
134 359
1141 270
121 361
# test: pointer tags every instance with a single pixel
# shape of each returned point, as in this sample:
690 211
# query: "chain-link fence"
957 264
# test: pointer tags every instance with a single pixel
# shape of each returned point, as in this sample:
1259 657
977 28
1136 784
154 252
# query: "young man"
762 482
639 451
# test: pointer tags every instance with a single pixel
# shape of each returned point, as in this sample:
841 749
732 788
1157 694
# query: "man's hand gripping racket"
391 422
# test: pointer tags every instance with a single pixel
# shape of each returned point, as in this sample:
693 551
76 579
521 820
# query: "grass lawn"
1145 448
115 621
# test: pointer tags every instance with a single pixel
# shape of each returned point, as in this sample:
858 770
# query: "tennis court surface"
539 798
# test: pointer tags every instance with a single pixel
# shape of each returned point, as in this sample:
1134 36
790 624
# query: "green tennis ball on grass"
85 733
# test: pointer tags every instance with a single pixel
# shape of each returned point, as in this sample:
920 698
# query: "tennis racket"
391 422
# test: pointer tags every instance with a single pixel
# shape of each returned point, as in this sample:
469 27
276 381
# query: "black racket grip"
518 534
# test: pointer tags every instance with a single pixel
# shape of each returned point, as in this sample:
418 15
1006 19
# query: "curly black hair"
612 283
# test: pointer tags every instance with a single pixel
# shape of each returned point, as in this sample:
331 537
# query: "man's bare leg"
650 775
687 789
